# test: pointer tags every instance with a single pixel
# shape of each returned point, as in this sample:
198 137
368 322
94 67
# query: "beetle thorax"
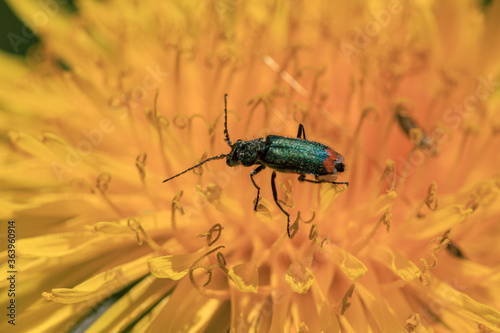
246 153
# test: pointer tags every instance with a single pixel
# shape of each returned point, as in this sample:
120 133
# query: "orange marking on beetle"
329 162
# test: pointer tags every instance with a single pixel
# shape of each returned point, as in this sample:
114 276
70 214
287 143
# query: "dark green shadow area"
15 36
485 4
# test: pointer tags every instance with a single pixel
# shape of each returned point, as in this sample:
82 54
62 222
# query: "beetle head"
245 152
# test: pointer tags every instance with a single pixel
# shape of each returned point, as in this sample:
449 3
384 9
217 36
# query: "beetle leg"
256 171
302 178
302 133
275 197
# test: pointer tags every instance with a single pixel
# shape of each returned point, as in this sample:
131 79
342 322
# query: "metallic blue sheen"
295 155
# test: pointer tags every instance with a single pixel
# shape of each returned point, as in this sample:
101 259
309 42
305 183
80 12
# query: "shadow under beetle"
283 154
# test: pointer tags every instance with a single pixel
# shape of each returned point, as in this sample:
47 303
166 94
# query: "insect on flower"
283 154
413 130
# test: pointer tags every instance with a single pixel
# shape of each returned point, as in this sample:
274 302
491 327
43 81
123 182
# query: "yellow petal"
436 223
246 277
187 310
352 267
378 309
101 285
446 298
299 277
383 202
112 228
396 262
58 245
145 294
173 267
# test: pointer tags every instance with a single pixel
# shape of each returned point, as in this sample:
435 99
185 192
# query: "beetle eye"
340 167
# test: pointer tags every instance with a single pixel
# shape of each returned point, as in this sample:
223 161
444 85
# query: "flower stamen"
288 195
176 206
307 221
324 241
140 163
82 183
439 243
313 232
209 234
221 263
300 112
425 276
199 170
388 176
384 219
344 303
136 227
294 227
102 185
159 122
412 322
183 121
431 200
370 112
318 72
103 182
313 237
267 99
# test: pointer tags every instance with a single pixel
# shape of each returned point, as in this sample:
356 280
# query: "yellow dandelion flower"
119 96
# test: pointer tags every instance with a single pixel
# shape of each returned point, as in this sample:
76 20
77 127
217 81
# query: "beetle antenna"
197 165
226 133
